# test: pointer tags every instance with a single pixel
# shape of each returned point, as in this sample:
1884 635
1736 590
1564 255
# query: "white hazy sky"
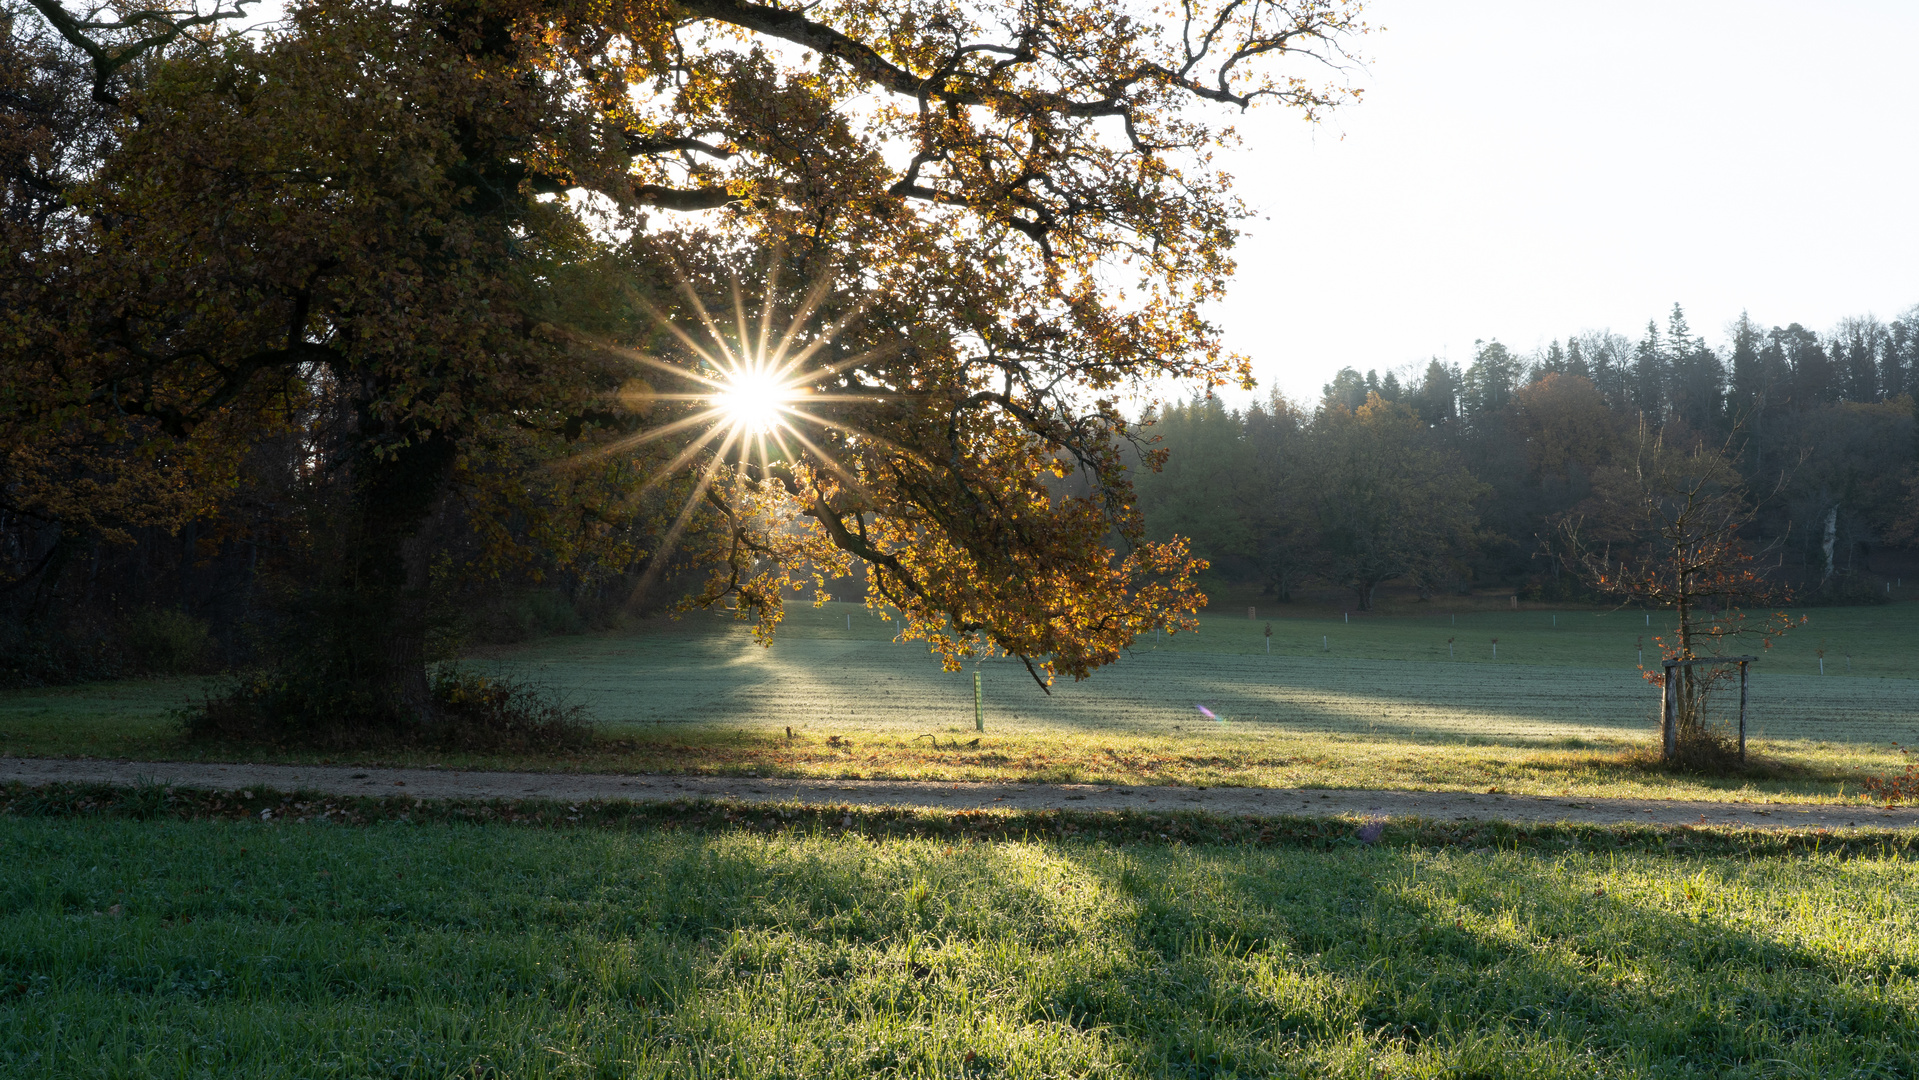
1526 169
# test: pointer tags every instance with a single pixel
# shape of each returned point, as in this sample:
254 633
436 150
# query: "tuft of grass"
448 948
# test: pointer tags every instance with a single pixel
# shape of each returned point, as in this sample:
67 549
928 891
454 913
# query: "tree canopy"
483 266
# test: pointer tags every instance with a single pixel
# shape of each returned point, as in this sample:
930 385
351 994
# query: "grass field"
1374 702
209 948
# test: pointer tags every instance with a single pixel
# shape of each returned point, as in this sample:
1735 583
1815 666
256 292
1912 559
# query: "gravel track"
432 783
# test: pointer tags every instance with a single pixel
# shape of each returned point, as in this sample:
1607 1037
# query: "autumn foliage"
454 268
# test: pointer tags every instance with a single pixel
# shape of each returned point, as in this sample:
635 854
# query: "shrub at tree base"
1706 749
474 712
1714 754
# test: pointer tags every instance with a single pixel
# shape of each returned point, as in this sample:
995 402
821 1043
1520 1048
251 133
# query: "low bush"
46 653
492 713
167 641
62 652
476 712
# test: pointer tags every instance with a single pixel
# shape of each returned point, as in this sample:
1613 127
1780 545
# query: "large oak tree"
487 234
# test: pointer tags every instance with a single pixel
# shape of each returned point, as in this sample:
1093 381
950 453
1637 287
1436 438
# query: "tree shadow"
1484 965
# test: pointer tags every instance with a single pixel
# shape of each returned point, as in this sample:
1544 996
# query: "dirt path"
574 787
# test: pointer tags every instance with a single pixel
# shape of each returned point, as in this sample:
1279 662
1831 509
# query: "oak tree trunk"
399 496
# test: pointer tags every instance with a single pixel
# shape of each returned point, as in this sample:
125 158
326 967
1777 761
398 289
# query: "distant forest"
1450 479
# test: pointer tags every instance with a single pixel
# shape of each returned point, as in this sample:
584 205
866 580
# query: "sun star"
753 400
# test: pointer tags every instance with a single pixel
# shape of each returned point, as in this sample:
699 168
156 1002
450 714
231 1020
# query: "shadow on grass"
1483 966
727 951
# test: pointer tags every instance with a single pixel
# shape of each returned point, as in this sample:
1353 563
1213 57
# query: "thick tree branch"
180 420
108 59
666 198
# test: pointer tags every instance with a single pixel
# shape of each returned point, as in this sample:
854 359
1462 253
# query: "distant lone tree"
1663 531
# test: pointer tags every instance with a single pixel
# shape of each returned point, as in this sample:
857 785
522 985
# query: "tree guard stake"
979 716
1669 701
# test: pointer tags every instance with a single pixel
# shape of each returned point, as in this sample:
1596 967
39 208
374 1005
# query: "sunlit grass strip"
432 949
268 807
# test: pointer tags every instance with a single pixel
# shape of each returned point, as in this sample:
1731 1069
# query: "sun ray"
835 368
877 440
767 397
766 297
692 450
655 396
687 340
650 360
779 438
637 439
815 296
832 464
671 541
826 337
706 320
739 320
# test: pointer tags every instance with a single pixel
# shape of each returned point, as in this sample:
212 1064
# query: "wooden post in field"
979 715
1742 710
1668 720
1252 614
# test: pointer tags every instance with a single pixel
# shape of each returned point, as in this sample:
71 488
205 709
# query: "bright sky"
1526 169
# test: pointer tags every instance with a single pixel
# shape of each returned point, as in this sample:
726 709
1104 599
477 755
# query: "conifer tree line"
1444 478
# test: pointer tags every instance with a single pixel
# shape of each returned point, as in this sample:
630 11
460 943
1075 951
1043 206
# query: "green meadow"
1327 700
221 948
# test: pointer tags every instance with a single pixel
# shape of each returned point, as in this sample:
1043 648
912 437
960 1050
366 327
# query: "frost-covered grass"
1370 703
219 948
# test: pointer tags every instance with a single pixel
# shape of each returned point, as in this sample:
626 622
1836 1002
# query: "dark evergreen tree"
1814 377
1436 398
1698 390
1280 515
1814 411
1695 378
1679 339
1488 386
1748 384
1553 363
1348 389
1856 343
1649 376
1576 361
1896 369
